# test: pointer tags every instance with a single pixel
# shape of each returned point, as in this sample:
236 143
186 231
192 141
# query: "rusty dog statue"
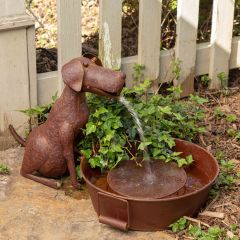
49 148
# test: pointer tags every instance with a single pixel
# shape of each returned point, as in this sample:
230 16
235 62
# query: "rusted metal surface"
155 179
49 148
118 218
155 214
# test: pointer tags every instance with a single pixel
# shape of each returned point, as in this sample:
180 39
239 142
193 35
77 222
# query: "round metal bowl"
151 214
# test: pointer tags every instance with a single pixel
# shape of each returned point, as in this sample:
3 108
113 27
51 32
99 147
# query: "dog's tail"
16 136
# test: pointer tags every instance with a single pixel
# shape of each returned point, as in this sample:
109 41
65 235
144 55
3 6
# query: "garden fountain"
155 195
147 198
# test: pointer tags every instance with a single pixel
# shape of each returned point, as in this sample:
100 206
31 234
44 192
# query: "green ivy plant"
179 225
176 68
138 73
197 233
40 113
223 79
205 80
213 233
111 135
227 176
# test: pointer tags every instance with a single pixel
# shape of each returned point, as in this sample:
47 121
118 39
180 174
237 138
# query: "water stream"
135 116
149 175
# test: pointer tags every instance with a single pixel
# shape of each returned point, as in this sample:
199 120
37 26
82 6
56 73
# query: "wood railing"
219 55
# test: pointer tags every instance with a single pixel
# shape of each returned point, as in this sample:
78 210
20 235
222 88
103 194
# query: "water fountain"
155 195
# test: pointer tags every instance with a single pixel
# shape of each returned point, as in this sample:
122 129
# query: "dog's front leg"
67 141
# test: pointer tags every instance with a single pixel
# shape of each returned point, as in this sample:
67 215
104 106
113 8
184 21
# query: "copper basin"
154 214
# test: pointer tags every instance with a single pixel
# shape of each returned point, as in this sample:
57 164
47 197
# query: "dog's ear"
93 58
97 61
72 73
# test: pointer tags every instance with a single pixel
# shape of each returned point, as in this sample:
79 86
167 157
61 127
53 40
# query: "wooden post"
69 34
110 33
221 39
149 38
18 87
186 45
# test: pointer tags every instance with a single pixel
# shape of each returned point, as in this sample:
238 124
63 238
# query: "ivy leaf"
198 99
116 148
90 128
119 159
109 136
176 154
143 145
40 109
231 118
214 232
167 139
148 111
103 150
79 175
87 153
194 231
117 124
156 152
189 159
95 161
181 162
178 116
179 225
166 110
54 97
100 111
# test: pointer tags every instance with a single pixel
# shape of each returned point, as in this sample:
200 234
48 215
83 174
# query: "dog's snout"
122 75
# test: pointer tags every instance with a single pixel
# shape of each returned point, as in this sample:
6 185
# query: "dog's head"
88 75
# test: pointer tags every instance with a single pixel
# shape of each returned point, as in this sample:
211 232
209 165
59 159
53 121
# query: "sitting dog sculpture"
49 148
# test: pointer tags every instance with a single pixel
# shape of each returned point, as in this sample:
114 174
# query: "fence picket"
186 45
221 39
69 33
110 33
149 37
8 8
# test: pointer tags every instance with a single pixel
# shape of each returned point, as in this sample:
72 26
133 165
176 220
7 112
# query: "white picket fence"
219 55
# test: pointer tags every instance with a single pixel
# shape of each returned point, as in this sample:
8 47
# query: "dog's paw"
76 185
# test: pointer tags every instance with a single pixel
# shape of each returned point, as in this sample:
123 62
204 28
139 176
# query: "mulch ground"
226 204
